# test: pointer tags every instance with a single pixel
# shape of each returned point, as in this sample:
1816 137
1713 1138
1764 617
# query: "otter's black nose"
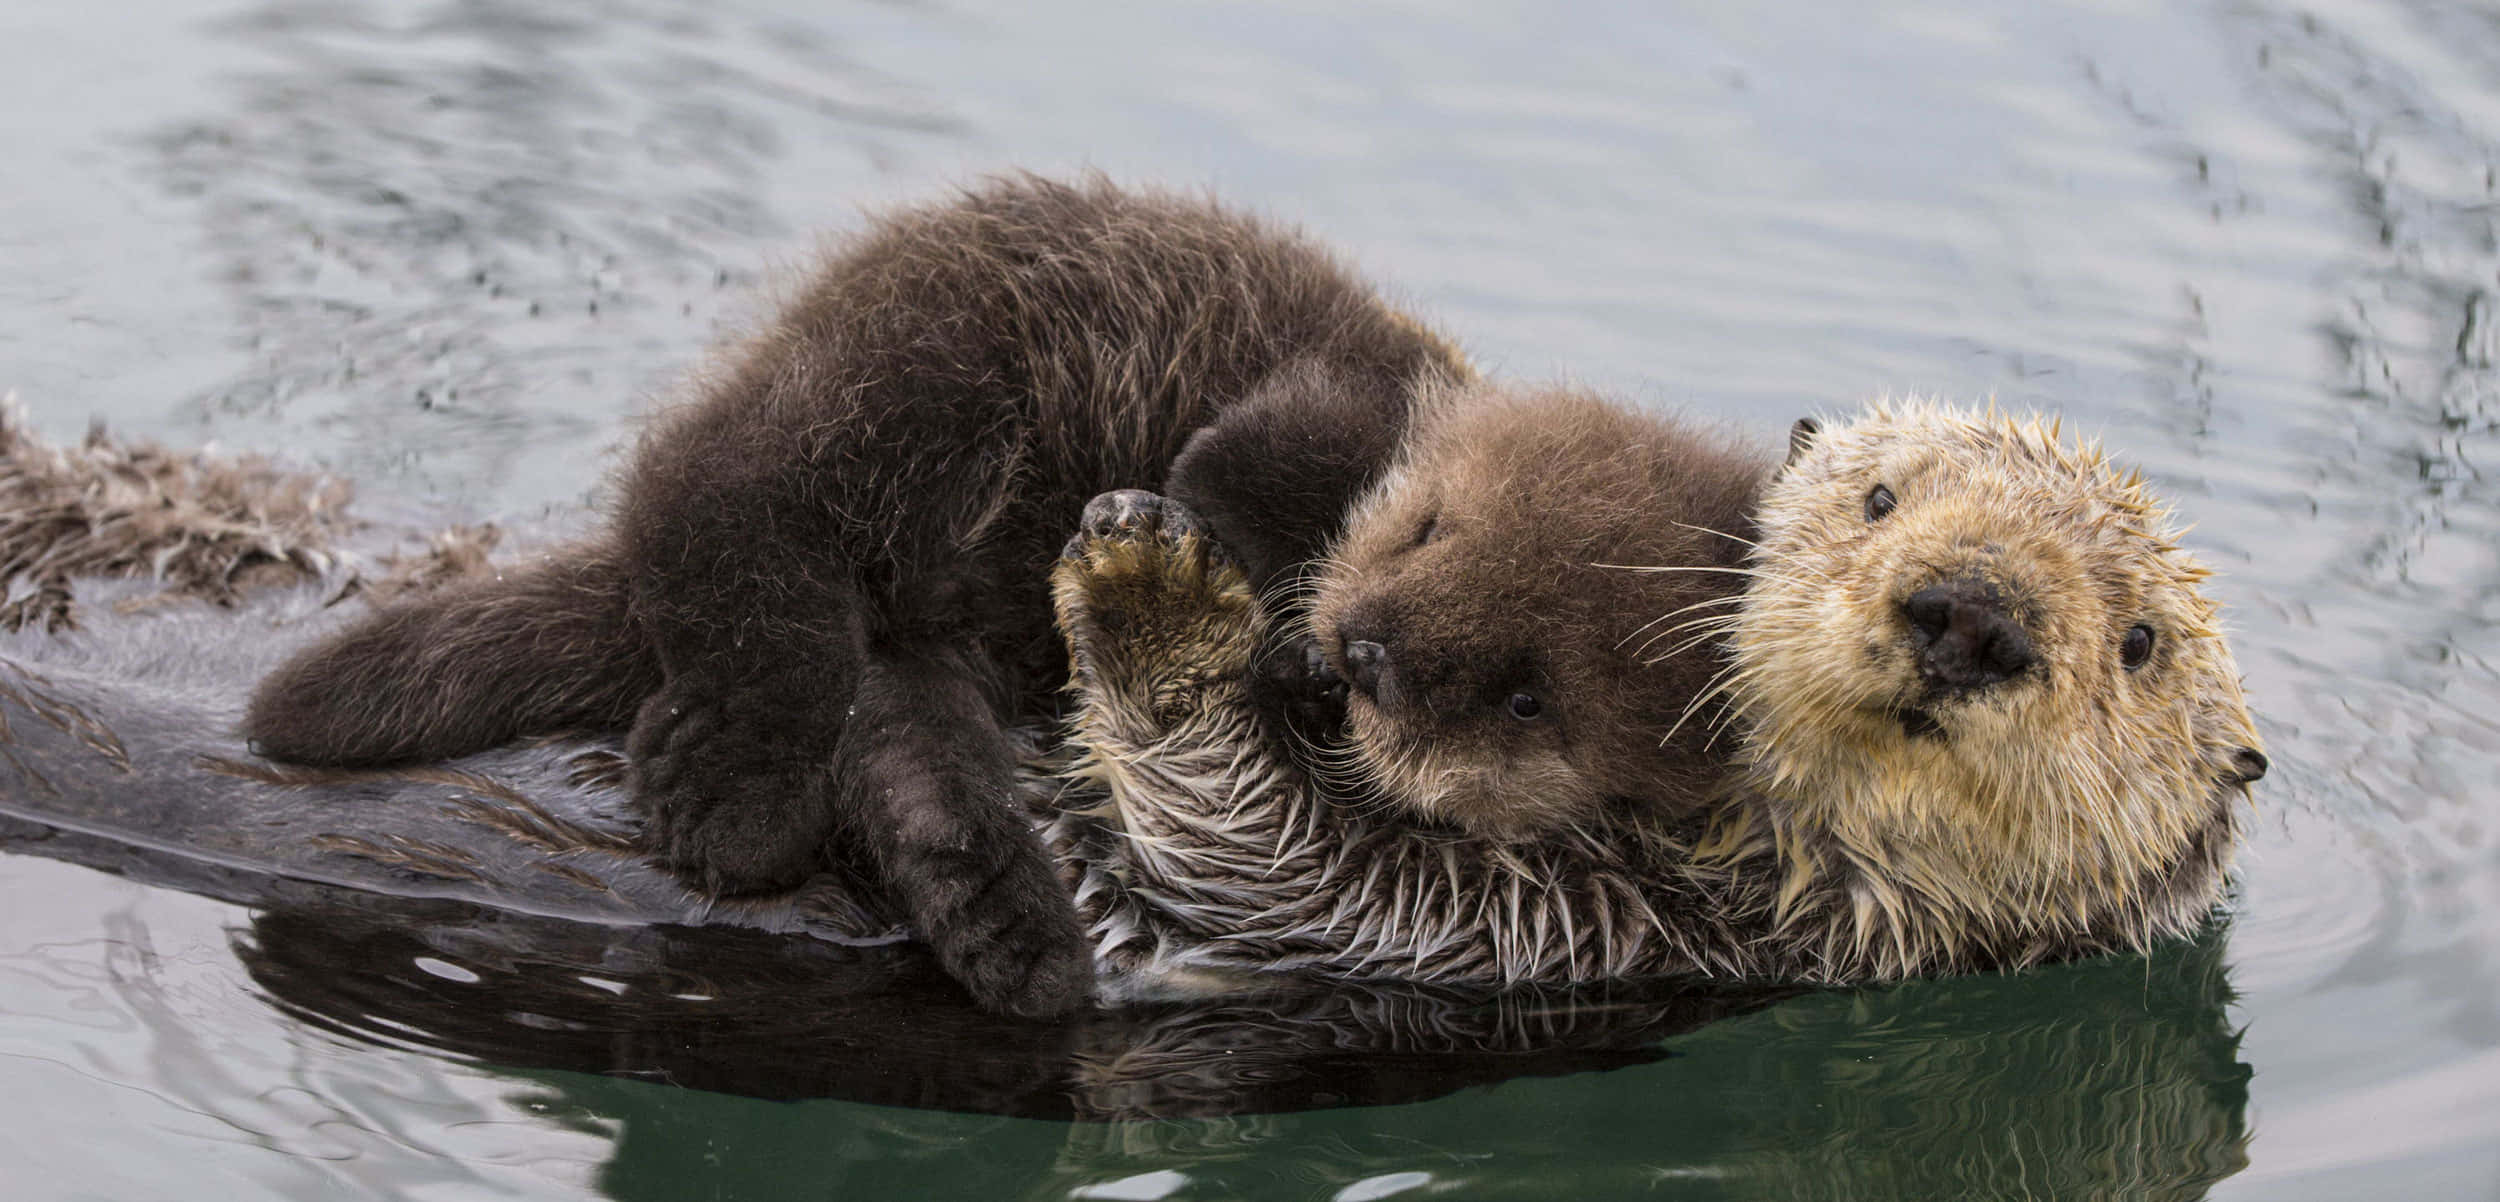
1364 661
1965 638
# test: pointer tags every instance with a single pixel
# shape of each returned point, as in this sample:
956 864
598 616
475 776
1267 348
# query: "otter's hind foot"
1155 611
730 808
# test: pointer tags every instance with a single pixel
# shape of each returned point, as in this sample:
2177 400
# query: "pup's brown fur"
1516 687
2075 805
820 604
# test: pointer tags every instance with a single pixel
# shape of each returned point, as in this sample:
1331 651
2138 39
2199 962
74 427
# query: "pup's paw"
1151 605
730 809
1000 922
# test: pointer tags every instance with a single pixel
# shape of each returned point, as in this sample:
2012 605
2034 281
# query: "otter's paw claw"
1132 515
728 810
1147 598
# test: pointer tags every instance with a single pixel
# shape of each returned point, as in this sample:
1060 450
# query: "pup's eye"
2136 648
1428 529
1879 503
1525 706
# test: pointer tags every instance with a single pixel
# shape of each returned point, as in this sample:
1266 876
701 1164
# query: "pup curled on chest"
817 607
1971 706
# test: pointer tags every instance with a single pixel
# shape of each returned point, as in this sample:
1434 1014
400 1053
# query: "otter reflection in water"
2113 1077
2118 1077
740 1011
759 1016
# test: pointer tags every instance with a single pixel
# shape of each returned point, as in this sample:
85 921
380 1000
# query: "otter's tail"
545 649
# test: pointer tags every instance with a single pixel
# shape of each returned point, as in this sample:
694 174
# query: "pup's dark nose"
1364 661
1965 638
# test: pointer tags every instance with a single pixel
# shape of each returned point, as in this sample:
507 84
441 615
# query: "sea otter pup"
1979 715
822 599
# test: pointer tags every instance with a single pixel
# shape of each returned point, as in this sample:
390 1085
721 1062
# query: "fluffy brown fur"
821 604
2076 805
1513 686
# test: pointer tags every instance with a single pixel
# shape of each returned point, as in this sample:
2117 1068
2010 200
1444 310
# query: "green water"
450 248
2111 1079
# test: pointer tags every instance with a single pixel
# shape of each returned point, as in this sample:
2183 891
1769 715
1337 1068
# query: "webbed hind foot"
732 807
1155 612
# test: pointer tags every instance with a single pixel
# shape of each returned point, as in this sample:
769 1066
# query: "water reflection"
2118 1078
773 1017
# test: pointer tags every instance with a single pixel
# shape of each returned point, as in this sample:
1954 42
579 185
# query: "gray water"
450 249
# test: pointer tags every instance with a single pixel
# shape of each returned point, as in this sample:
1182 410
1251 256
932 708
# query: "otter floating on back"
1199 843
1979 715
915 436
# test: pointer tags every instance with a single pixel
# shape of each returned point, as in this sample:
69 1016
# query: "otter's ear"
2248 766
1800 438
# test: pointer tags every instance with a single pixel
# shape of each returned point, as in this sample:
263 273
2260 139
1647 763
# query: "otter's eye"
2137 648
1430 528
1525 707
1879 503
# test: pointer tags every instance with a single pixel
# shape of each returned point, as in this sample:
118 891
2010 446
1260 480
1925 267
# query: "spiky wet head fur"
2091 789
1515 691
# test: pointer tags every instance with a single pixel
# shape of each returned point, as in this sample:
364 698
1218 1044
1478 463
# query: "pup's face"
1963 631
1485 609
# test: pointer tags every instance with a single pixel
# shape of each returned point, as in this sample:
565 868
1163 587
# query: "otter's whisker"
1730 599
1710 627
1634 567
1708 635
1733 538
1716 685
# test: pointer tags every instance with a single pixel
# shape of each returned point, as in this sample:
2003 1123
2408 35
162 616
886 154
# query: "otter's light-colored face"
1479 607
1977 651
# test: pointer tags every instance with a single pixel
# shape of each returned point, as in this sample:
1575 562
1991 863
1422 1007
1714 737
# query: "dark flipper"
934 800
736 781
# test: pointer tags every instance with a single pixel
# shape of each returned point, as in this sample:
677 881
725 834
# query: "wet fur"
819 606
2082 804
1201 851
2042 825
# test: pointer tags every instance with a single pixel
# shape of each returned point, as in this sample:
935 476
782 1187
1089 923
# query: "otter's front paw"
730 808
1150 604
1294 680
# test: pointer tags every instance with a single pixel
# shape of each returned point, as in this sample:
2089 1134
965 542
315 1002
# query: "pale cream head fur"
2058 795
